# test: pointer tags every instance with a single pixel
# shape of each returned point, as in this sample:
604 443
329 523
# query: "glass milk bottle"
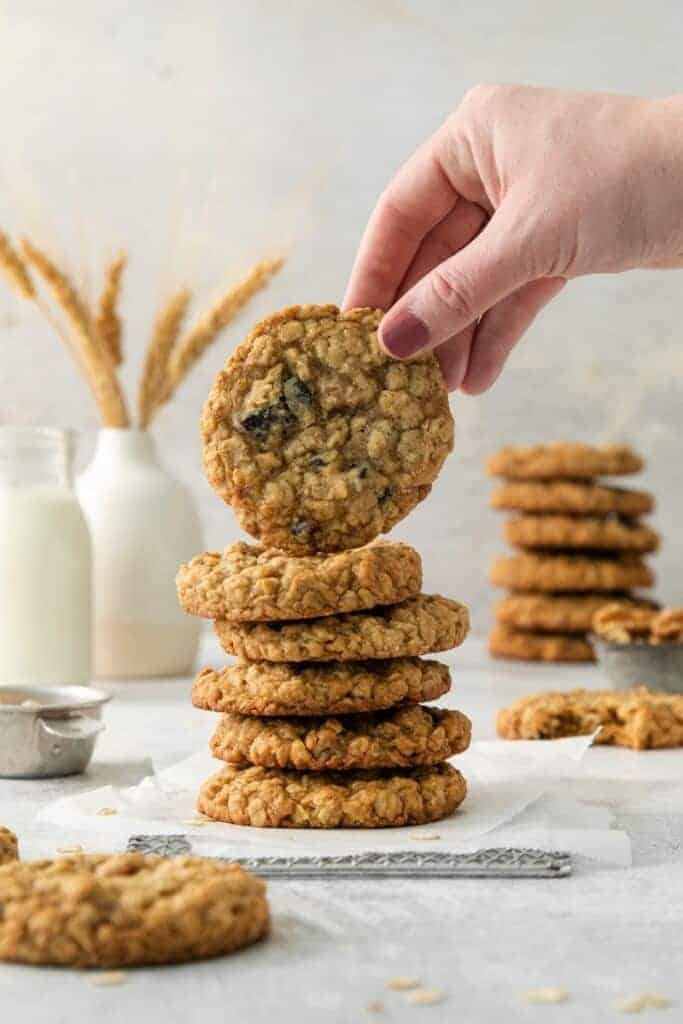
45 562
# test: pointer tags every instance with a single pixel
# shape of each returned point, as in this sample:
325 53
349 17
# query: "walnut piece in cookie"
323 688
284 798
398 738
317 438
522 645
639 718
418 626
9 848
251 583
127 909
563 459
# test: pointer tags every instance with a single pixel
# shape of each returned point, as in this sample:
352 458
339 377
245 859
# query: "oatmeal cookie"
127 909
328 688
564 613
505 642
621 623
399 738
317 438
250 583
571 497
418 626
640 718
281 798
563 459
558 573
9 848
582 532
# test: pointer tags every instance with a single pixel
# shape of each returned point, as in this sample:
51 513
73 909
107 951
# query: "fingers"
456 230
500 330
454 356
459 290
414 202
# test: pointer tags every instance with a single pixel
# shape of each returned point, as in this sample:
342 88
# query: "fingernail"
403 334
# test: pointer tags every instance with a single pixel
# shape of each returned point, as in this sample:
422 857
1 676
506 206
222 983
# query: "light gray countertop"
601 934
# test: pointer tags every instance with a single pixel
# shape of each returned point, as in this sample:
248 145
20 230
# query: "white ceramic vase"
143 524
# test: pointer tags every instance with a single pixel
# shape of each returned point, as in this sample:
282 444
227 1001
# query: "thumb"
459 290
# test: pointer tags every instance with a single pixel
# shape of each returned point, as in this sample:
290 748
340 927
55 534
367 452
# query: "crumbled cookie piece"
523 645
562 573
283 798
558 613
251 583
415 627
127 909
640 718
323 688
667 627
317 438
622 623
399 738
571 497
580 532
563 459
9 847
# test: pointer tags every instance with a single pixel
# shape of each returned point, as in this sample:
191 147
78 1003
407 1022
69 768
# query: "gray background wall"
200 134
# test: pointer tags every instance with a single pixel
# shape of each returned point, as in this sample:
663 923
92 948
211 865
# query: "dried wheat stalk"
107 321
154 374
208 327
14 269
99 369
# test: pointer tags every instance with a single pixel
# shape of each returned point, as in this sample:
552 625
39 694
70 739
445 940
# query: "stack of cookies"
581 544
319 441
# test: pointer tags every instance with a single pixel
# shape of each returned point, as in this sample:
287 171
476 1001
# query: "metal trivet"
498 862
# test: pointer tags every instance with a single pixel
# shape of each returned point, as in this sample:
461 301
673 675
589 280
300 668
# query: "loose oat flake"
109 978
106 811
549 994
642 1001
425 835
425 996
402 984
69 849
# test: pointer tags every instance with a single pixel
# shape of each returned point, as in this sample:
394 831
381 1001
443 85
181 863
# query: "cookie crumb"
425 996
402 984
376 1006
106 811
425 835
196 821
642 1001
549 994
70 849
109 978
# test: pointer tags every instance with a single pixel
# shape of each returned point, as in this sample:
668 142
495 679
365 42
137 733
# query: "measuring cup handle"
71 728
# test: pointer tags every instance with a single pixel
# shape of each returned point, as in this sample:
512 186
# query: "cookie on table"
558 573
9 848
418 626
571 497
398 738
581 532
327 688
563 459
251 583
127 909
667 627
505 642
640 718
282 798
317 438
559 613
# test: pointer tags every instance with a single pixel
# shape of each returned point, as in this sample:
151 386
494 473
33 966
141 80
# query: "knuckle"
452 290
482 95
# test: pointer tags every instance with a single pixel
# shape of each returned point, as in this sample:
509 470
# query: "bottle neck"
128 443
35 456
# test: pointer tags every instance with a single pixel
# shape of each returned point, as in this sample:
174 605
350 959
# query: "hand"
520 190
